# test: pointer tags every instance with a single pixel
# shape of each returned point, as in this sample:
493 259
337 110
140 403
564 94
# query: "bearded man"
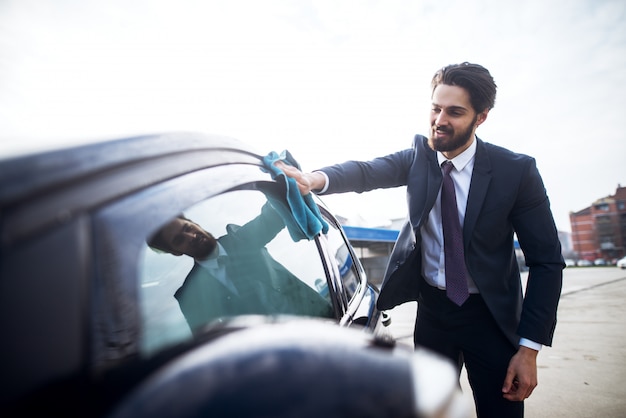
235 273
463 272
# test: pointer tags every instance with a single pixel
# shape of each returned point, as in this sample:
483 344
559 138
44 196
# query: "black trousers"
469 336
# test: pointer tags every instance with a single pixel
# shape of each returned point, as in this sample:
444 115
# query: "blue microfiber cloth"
301 215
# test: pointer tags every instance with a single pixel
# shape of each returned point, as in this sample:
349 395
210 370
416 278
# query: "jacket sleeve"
538 237
362 176
257 232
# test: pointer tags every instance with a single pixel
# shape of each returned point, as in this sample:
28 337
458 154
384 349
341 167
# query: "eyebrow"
183 225
450 107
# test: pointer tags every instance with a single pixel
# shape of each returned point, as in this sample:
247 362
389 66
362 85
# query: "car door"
147 299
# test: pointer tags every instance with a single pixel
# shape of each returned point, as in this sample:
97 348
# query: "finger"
289 170
530 390
304 185
507 386
519 392
280 164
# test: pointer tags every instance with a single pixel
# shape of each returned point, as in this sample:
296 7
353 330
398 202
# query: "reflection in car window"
227 256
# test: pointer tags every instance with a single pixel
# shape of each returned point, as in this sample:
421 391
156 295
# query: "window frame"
353 305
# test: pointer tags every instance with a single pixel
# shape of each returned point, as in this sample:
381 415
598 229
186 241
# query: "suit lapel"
481 177
435 178
429 181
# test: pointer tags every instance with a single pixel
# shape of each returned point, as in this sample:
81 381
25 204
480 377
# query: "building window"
603 220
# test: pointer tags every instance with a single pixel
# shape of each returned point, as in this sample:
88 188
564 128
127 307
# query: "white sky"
329 80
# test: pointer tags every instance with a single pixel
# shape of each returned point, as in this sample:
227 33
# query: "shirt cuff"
530 344
323 189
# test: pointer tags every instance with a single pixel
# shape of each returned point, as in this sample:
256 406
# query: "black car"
102 314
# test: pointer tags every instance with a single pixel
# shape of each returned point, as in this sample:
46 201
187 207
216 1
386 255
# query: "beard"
456 141
203 246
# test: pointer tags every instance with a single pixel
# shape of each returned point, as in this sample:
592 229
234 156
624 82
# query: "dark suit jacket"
264 286
506 195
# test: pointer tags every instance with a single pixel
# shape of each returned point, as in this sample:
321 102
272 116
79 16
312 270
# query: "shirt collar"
461 160
211 262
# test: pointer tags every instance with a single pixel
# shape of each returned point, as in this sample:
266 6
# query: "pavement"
584 373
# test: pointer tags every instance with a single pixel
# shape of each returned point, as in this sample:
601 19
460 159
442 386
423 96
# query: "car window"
348 270
227 256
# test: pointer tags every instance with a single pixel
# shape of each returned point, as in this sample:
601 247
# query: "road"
583 374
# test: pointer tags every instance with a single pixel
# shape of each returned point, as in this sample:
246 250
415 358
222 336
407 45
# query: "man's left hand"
521 376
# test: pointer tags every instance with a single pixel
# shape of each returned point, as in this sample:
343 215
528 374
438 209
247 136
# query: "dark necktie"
456 272
222 262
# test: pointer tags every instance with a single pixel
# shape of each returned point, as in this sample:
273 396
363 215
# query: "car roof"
42 189
30 173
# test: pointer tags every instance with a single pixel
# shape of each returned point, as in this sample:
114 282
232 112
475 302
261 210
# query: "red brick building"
599 231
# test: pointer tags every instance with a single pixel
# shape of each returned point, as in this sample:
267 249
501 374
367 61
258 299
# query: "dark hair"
472 77
158 242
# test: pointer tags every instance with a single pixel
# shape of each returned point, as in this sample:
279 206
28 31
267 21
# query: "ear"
482 116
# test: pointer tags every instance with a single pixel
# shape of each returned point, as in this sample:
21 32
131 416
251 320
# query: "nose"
440 119
190 235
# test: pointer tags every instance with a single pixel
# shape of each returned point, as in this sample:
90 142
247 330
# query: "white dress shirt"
217 270
433 261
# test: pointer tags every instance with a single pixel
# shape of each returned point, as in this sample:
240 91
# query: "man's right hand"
307 182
